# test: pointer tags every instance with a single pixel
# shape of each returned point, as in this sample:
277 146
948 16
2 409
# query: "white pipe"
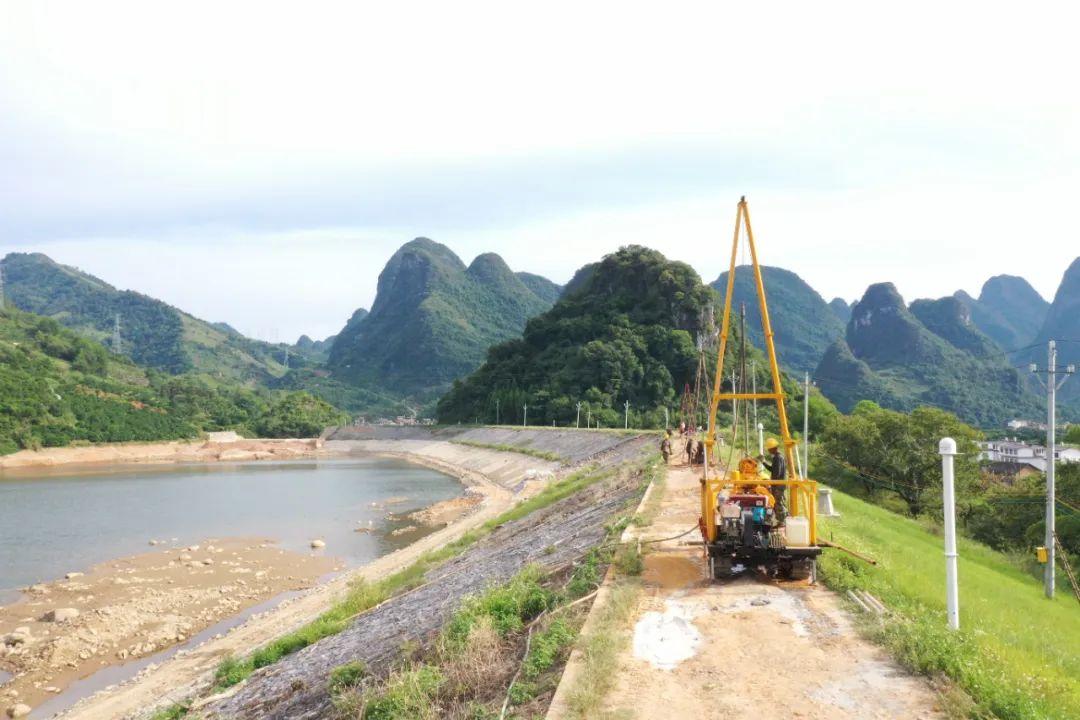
760 439
947 449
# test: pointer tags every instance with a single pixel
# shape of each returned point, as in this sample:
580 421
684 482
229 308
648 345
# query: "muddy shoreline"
228 449
130 608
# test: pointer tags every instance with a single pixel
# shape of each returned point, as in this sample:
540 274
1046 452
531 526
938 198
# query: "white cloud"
255 161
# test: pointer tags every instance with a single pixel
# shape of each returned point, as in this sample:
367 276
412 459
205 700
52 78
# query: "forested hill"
804 325
625 330
1008 310
58 387
434 318
930 354
153 333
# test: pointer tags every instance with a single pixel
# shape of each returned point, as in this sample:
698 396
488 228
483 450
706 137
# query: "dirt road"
749 648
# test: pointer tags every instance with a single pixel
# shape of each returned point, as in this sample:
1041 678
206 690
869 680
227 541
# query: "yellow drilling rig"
749 520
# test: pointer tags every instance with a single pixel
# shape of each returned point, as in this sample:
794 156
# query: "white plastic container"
798 532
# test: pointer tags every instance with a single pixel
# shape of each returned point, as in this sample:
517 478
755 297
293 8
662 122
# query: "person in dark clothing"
775 463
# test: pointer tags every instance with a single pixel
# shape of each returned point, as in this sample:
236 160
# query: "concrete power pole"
577 423
116 346
626 415
753 382
496 411
525 415
1052 386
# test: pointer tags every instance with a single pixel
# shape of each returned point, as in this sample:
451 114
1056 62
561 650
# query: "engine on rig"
747 519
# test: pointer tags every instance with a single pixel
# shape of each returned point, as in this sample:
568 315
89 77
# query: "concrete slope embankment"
570 446
296 686
492 473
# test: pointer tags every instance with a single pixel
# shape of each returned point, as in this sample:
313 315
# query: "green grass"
600 650
363 596
542 454
1017 654
173 712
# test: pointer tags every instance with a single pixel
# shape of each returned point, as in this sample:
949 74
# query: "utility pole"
806 425
577 423
667 418
1052 386
116 335
496 411
588 416
626 415
753 381
525 416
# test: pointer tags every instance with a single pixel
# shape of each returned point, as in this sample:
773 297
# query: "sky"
258 163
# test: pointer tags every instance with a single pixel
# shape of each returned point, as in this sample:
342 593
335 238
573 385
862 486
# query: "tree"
901 450
299 414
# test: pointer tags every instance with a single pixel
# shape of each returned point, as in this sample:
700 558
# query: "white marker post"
947 449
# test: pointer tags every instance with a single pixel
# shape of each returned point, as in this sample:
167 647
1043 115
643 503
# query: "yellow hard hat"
771 443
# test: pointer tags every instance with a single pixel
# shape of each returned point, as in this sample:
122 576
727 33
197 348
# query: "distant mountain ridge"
433 319
930 354
803 324
1062 324
1008 310
153 333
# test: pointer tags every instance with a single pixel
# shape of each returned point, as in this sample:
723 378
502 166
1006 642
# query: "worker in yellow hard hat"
774 462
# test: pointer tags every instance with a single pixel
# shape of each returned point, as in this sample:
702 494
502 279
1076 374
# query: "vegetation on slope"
1008 310
889 356
153 333
58 388
628 332
803 324
433 319
1015 654
891 459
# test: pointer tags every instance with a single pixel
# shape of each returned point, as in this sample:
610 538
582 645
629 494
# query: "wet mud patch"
671 572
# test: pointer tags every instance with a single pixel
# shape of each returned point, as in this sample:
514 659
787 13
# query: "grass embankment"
542 454
1016 655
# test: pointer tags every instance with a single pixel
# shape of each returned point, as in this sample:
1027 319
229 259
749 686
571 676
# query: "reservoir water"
57 521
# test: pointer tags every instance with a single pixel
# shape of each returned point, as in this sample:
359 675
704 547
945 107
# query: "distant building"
1016 451
1010 471
1025 425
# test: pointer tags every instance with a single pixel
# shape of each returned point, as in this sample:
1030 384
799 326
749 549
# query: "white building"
1015 451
